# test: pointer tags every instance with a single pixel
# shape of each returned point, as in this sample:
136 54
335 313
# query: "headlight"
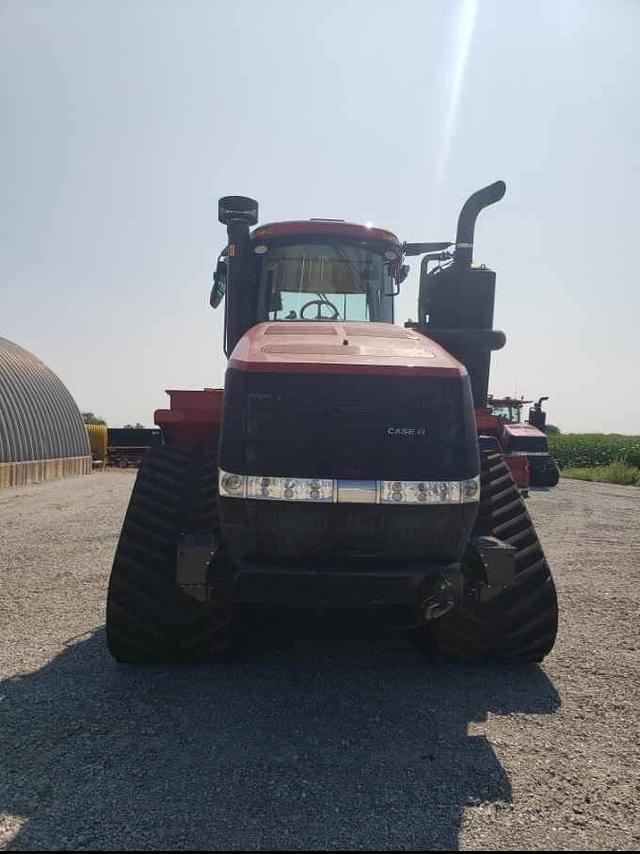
232 484
470 490
290 488
420 492
322 490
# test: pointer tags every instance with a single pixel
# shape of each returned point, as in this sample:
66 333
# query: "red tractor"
340 467
525 442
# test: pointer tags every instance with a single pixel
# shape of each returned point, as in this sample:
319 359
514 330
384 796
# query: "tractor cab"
323 270
507 409
315 270
330 270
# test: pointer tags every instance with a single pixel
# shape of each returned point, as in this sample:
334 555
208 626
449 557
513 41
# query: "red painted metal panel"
304 347
203 400
522 430
486 422
520 470
194 418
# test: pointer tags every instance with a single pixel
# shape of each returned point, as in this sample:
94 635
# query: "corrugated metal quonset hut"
42 434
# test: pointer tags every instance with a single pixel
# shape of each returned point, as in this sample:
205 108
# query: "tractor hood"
524 439
335 347
523 431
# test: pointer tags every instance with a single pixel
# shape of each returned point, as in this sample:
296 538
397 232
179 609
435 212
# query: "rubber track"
520 624
550 477
149 619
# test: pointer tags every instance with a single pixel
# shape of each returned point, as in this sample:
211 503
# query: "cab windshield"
327 280
508 413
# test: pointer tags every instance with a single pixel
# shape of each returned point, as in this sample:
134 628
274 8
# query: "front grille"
348 426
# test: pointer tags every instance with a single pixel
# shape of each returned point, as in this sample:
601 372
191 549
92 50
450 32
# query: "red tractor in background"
524 442
341 466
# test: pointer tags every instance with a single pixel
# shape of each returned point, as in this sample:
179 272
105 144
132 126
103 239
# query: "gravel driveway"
325 741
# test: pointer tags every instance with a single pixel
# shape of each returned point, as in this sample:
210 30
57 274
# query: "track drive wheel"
149 618
518 625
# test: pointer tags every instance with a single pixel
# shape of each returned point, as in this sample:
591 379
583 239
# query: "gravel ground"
324 742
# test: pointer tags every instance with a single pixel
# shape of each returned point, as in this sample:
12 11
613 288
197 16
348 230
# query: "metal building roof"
39 420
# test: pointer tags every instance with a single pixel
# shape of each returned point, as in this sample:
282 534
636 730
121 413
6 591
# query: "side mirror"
403 272
219 284
399 272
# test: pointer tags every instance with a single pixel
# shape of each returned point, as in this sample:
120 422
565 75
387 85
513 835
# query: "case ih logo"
407 432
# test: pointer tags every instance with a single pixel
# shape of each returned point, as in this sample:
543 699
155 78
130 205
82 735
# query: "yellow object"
97 440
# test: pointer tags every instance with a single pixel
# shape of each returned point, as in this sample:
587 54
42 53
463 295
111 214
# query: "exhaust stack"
476 203
537 415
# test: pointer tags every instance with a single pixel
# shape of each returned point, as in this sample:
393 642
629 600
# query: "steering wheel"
319 315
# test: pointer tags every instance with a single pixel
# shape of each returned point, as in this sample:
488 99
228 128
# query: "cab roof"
335 227
507 401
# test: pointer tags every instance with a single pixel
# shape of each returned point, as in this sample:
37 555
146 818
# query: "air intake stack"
238 213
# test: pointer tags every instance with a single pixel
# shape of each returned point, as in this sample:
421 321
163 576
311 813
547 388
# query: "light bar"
342 491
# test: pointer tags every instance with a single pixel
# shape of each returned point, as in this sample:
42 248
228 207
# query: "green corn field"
586 450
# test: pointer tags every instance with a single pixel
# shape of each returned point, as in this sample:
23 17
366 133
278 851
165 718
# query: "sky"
124 121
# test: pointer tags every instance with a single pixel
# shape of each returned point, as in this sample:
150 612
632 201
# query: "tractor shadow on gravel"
334 740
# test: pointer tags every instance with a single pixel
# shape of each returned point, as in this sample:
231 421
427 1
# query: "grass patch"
619 471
